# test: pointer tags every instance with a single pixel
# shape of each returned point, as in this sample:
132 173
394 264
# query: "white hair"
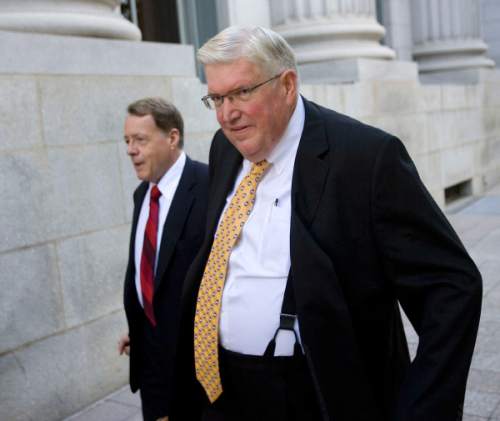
263 47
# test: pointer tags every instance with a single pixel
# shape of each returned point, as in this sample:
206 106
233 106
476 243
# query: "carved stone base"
87 18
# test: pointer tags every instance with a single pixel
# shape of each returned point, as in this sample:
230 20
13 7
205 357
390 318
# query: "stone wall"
66 187
451 131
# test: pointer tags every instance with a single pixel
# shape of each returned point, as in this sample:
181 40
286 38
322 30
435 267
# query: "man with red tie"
167 230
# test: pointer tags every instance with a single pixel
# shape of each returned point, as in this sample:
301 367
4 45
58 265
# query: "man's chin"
250 151
141 176
251 156
244 147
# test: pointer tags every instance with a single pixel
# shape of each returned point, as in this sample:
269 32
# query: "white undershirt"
259 263
167 186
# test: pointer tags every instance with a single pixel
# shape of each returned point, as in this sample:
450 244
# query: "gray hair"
263 47
165 115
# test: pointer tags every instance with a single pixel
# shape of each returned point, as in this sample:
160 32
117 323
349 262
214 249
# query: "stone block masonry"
66 186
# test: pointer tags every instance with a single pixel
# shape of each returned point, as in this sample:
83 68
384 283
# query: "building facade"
423 70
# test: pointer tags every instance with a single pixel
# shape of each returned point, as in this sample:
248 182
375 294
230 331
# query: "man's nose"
131 149
228 111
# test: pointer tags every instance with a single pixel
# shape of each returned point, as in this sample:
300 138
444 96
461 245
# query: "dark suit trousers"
154 386
261 389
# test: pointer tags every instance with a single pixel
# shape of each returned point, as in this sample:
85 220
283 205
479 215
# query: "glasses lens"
244 94
216 101
208 103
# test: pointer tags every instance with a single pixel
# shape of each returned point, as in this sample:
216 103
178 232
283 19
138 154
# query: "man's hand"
124 345
162 419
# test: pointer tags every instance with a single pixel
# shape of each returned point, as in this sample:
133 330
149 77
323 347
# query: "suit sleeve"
435 281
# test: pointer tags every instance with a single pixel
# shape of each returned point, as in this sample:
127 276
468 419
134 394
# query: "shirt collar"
173 173
286 148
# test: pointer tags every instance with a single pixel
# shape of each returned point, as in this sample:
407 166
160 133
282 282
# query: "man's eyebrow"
229 92
134 135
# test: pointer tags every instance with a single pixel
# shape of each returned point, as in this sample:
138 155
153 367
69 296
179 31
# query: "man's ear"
174 137
290 81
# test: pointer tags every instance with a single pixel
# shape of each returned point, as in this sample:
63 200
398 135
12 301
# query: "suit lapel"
227 171
224 172
311 167
174 224
138 199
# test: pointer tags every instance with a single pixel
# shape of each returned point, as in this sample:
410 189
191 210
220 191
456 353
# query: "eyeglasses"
213 101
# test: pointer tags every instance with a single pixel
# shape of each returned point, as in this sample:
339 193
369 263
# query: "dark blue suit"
153 351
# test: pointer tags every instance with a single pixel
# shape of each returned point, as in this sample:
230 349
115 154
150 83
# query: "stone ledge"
359 69
51 54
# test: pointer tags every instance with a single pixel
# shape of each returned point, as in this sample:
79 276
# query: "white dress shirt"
260 261
167 186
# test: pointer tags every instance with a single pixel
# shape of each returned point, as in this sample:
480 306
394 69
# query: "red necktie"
149 256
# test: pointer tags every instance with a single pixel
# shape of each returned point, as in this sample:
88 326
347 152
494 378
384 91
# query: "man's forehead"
139 123
140 120
231 75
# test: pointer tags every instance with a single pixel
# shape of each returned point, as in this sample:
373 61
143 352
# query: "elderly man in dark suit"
167 231
317 227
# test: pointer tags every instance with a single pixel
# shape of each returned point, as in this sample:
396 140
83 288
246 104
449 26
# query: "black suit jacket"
181 239
365 235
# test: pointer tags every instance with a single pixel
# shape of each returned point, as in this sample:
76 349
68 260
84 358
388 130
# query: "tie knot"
155 193
258 168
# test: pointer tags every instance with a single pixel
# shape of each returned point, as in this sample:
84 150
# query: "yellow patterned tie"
206 321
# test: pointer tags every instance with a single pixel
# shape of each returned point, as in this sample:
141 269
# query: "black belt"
257 362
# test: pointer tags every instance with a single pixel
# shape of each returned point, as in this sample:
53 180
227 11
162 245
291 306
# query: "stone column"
243 13
87 18
396 17
325 30
447 37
